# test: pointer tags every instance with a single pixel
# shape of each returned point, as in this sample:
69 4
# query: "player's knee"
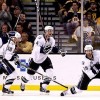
30 72
49 72
13 75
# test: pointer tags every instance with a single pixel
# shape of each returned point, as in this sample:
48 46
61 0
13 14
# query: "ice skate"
7 91
63 93
22 87
43 90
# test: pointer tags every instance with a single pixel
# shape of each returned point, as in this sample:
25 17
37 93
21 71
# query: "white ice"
53 95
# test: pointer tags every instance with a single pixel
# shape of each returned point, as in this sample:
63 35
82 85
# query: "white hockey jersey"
41 42
7 50
87 63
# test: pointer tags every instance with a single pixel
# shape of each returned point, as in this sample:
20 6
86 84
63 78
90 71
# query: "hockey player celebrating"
7 53
91 70
43 45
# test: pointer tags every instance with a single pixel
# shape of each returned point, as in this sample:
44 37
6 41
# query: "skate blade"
6 94
44 93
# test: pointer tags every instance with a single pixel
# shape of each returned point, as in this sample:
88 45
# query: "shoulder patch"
39 37
83 62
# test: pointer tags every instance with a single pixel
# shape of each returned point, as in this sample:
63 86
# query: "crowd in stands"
69 12
13 18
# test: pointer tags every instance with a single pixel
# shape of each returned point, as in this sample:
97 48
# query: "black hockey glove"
45 49
15 56
17 63
62 52
95 68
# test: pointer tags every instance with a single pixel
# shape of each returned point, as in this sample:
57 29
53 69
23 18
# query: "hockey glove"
15 56
17 63
62 52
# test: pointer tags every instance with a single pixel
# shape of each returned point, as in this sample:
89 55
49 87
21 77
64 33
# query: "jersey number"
9 49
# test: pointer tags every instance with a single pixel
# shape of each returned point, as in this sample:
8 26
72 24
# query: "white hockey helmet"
15 34
88 47
48 28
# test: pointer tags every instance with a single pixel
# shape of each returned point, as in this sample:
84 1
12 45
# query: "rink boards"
67 71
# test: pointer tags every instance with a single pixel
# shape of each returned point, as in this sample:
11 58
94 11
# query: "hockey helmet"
88 47
15 34
48 28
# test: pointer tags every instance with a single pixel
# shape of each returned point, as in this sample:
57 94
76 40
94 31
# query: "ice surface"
53 95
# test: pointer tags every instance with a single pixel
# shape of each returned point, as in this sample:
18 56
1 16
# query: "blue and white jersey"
38 43
7 50
89 63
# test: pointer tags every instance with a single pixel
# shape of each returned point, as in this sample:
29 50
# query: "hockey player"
7 53
90 71
43 45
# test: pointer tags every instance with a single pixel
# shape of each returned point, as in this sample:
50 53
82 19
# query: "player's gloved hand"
16 59
15 56
62 52
17 63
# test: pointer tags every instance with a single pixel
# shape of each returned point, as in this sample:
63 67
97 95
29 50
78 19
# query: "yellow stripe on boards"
50 87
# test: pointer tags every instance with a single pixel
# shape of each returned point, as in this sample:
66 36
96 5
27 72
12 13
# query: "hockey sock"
8 83
10 79
26 78
46 81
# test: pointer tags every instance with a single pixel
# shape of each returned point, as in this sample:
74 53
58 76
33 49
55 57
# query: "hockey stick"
42 75
16 22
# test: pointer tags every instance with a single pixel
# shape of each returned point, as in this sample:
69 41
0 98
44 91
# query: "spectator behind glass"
19 28
13 3
5 16
88 34
68 4
27 27
4 33
93 10
15 16
24 46
72 25
90 20
61 13
74 11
